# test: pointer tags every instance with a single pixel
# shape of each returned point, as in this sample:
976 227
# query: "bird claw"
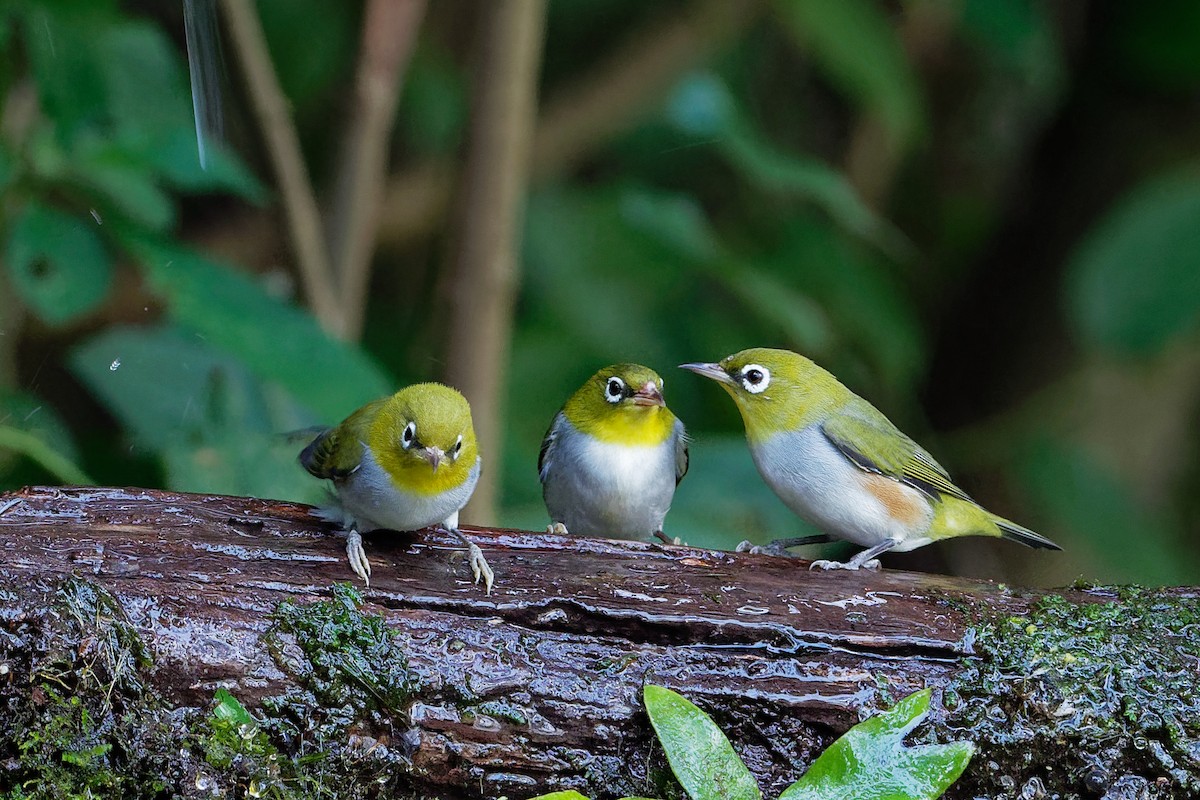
480 567
557 529
821 563
357 556
747 546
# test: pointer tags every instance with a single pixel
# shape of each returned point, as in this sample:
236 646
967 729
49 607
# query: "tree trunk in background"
484 279
143 603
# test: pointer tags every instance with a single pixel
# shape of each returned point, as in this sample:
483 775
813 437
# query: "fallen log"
123 612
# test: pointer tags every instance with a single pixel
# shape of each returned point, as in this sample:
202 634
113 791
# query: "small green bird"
839 463
401 463
613 456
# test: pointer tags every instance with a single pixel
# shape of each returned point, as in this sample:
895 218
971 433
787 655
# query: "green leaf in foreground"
58 263
701 757
571 794
870 762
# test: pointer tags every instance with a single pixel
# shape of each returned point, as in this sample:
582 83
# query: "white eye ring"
755 378
454 451
614 390
409 436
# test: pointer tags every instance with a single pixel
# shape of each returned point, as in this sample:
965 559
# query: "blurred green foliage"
965 210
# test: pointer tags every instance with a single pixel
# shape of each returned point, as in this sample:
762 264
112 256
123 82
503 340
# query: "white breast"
601 488
370 500
820 484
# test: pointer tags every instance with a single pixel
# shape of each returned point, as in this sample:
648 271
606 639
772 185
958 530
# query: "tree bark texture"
1085 692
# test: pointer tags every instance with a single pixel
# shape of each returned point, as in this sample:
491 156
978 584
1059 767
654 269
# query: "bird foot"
557 529
357 556
480 567
774 548
5 506
821 563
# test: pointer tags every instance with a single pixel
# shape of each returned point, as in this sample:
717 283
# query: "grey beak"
433 455
713 371
648 395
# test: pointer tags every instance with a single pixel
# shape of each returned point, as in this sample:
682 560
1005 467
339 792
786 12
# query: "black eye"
614 390
755 378
458 446
410 433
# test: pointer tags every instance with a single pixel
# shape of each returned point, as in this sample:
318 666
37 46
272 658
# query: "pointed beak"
433 455
648 395
713 371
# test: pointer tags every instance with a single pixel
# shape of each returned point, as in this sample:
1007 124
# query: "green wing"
337 452
873 443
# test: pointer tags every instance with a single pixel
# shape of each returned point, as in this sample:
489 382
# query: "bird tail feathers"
1017 533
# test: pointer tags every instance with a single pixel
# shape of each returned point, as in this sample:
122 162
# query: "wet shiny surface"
540 680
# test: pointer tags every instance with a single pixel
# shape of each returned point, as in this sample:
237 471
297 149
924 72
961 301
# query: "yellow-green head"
424 438
622 403
775 390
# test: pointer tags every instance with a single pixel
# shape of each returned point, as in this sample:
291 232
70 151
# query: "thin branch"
614 95
389 32
283 148
494 185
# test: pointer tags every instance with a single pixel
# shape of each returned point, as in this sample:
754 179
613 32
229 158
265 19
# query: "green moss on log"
1116 677
80 718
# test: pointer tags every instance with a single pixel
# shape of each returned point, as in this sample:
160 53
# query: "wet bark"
537 686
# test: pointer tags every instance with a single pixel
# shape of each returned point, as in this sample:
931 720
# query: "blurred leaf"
176 159
812 180
31 414
1134 282
598 279
61 42
144 85
58 263
215 426
125 184
701 757
1075 491
276 340
870 761
37 450
312 43
859 50
675 220
702 106
867 306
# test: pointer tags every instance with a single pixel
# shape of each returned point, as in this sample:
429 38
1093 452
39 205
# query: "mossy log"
123 612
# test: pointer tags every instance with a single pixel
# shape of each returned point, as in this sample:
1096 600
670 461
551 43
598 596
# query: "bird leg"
864 560
662 537
357 556
557 529
479 565
779 547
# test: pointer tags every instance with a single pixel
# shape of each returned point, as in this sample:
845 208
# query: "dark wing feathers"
682 458
872 443
545 455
